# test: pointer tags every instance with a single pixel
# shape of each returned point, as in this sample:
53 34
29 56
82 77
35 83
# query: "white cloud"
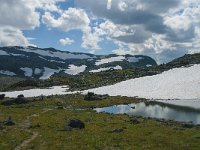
10 36
20 15
66 41
73 19
162 29
69 20
90 41
111 29
122 6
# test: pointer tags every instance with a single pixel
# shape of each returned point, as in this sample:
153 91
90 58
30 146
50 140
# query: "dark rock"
135 121
21 100
75 123
20 96
2 96
41 97
91 96
187 125
15 101
9 122
133 107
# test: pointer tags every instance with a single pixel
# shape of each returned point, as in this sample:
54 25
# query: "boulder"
188 125
2 96
135 121
15 101
21 100
20 96
9 122
75 123
91 96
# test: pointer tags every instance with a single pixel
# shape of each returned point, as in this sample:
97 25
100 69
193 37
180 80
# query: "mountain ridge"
42 63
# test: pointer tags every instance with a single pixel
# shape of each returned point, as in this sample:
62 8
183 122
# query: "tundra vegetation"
41 124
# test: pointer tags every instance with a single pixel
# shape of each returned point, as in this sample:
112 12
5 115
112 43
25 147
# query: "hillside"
38 63
89 80
177 83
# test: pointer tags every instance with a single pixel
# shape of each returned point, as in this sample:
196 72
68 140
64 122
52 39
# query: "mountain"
177 83
42 63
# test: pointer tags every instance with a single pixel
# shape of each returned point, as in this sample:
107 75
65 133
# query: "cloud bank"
161 29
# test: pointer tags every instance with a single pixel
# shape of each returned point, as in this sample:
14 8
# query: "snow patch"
57 61
105 69
109 60
55 90
177 83
37 71
148 65
28 71
58 54
6 72
74 70
3 52
134 59
17 55
48 72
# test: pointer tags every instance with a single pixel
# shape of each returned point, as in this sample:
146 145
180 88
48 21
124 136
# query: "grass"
102 131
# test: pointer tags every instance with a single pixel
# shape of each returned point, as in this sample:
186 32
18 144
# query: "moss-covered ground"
41 125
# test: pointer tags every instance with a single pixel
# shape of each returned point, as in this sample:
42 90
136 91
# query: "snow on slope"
48 72
134 59
74 70
55 90
9 73
18 55
28 72
3 53
178 83
105 69
37 71
59 54
109 60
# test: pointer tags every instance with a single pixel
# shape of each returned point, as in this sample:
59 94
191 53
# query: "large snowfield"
178 83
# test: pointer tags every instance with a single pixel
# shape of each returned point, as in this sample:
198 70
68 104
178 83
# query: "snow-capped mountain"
42 63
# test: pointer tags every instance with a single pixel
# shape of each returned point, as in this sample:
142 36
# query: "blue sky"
161 29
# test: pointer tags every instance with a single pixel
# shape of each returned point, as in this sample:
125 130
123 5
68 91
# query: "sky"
162 29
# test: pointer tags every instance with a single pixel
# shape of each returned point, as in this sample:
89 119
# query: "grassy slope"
8 81
49 124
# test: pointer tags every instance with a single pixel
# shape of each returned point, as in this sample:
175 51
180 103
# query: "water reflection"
156 110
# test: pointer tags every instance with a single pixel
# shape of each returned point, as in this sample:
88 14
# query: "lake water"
156 110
